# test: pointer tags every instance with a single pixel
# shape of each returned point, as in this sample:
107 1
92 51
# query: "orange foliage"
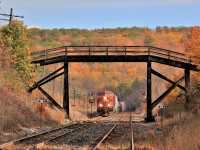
65 38
193 44
169 40
123 41
132 70
119 40
172 96
38 47
193 48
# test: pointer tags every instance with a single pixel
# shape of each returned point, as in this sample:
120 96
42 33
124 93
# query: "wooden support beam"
50 98
50 79
158 100
149 116
42 83
42 80
165 78
66 90
116 54
187 83
93 58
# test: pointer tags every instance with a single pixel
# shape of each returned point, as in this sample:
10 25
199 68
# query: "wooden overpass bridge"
146 54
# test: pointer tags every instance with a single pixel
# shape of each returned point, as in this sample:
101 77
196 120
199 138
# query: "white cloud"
34 26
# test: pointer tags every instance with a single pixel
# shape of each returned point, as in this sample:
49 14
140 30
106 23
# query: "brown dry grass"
19 109
176 136
79 109
184 135
115 147
177 133
146 142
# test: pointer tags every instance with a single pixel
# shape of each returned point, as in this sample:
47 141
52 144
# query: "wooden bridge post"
149 117
187 83
66 90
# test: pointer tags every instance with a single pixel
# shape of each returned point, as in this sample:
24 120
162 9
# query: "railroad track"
90 135
87 138
132 146
118 134
105 136
38 140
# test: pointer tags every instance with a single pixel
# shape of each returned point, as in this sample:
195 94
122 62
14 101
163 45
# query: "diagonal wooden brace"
158 100
165 78
54 77
44 79
49 97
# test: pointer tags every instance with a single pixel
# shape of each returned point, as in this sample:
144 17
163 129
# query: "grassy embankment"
20 110
179 131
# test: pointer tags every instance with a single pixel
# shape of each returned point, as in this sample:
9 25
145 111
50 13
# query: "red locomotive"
105 102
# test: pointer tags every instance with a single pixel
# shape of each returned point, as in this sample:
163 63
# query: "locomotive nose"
105 98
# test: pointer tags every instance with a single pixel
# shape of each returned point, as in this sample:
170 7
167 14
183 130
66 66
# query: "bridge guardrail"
111 50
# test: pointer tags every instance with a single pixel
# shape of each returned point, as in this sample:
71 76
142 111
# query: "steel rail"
106 135
132 139
32 136
41 144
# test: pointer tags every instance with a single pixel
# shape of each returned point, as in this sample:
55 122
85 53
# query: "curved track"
94 134
38 140
123 130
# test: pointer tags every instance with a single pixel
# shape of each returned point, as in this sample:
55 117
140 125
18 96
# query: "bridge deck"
114 54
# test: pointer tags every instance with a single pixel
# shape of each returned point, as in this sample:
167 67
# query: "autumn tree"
172 96
193 44
148 41
15 40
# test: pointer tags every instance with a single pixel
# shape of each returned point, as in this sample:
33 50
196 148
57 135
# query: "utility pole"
11 16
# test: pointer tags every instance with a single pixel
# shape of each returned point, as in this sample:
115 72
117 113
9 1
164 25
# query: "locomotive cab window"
109 94
100 94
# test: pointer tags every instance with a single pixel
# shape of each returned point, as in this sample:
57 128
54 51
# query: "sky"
95 14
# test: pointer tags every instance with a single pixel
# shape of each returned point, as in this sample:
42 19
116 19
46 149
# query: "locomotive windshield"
104 94
109 94
100 94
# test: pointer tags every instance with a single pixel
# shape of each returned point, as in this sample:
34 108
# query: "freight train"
106 102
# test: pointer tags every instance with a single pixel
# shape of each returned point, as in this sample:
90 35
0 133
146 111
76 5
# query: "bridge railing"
171 55
110 51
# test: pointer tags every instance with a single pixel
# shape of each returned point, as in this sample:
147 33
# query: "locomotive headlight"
100 105
108 105
105 98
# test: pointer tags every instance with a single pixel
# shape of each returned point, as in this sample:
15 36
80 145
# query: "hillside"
122 78
20 109
172 38
166 37
83 76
